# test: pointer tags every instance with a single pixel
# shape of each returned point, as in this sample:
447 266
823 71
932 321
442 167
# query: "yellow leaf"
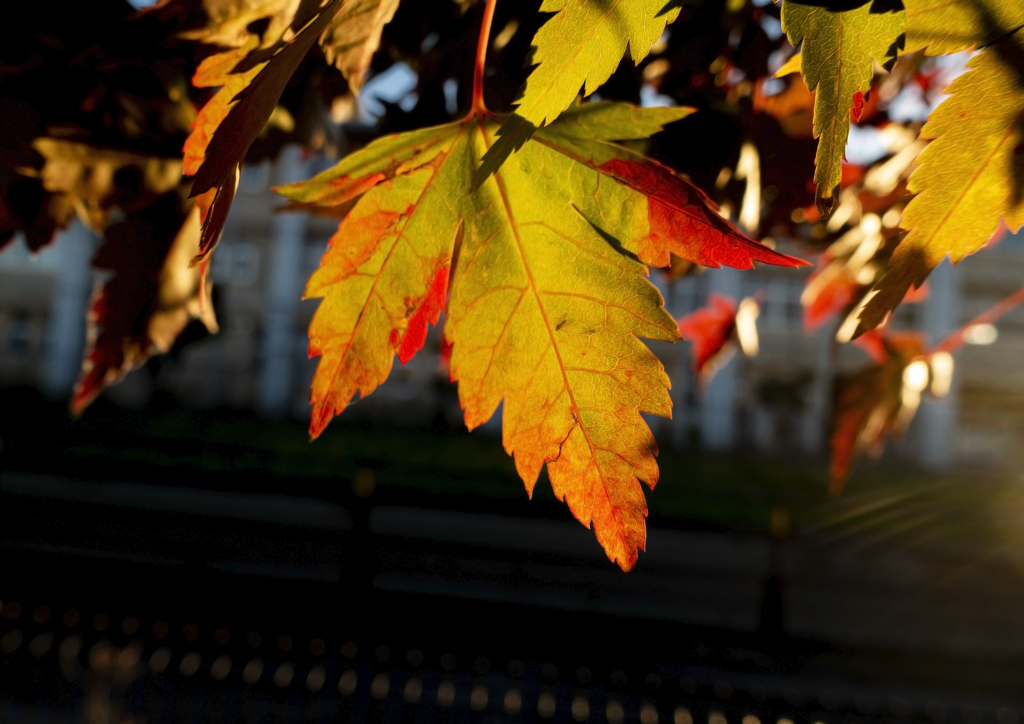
89 177
251 78
230 22
216 72
949 26
546 264
581 45
836 61
790 66
388 255
967 179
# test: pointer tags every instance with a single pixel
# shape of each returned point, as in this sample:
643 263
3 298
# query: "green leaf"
836 62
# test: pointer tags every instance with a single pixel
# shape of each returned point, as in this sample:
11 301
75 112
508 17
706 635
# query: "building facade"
776 402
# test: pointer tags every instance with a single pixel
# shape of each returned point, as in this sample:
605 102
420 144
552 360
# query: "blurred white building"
777 402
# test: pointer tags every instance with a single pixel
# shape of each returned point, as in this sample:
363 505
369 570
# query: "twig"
956 339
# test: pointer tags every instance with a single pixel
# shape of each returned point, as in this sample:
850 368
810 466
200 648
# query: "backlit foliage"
528 223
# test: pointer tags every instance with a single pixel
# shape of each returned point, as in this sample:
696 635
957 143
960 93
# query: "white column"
717 417
65 329
283 291
815 420
936 423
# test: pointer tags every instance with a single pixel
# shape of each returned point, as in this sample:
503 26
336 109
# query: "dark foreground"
164 604
182 567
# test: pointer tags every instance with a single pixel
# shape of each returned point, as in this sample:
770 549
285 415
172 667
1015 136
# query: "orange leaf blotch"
427 313
319 418
346 188
351 245
709 329
444 357
685 222
331 194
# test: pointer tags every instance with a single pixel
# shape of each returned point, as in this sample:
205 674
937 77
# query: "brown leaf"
151 297
352 38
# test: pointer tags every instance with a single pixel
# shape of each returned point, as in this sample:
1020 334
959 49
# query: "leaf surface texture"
968 178
949 26
835 60
250 78
542 272
580 47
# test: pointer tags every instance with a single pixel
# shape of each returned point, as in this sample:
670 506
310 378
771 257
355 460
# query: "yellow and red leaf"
541 270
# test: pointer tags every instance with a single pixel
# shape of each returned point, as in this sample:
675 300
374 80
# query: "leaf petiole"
479 108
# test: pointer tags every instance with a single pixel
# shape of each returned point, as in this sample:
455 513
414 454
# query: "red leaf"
710 331
444 355
874 344
851 174
870 406
835 295
684 222
858 106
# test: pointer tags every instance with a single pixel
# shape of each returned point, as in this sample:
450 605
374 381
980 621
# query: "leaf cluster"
529 230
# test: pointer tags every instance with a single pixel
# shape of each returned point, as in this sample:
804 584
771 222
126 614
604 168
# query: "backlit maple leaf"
949 26
152 295
968 180
545 263
351 39
837 50
580 46
150 232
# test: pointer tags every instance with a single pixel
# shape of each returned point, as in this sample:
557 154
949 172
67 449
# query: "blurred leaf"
873 404
151 297
710 331
352 38
98 182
